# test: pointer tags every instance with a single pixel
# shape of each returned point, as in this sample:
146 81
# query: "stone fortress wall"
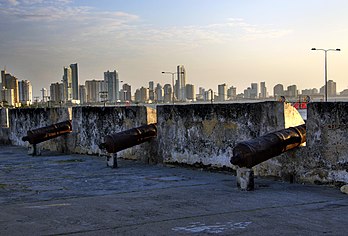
200 134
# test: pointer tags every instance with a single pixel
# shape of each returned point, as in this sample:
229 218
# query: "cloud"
57 10
10 2
255 32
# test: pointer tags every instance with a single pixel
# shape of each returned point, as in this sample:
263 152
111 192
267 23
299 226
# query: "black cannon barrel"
119 141
42 134
252 152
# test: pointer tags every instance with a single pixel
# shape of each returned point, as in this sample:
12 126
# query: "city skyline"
233 42
13 91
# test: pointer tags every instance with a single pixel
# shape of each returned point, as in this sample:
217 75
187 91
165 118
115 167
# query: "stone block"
245 179
344 189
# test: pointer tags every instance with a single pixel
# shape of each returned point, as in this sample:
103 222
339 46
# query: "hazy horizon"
218 41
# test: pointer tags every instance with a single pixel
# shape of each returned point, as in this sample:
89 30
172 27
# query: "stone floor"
57 194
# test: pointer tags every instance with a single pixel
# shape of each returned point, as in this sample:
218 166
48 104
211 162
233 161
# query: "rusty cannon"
250 153
42 134
116 142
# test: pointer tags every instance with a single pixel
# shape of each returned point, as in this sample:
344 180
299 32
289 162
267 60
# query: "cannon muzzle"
252 152
119 141
42 134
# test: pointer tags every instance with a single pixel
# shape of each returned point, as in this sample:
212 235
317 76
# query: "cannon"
249 153
42 134
252 152
116 142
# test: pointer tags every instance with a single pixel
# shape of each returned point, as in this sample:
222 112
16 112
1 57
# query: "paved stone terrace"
57 194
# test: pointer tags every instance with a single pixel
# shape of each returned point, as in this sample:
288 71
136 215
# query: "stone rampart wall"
24 119
324 159
92 124
203 134
206 134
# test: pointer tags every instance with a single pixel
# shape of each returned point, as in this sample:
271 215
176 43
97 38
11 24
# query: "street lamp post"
325 69
172 73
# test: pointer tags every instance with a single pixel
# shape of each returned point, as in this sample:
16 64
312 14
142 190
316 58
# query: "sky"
237 42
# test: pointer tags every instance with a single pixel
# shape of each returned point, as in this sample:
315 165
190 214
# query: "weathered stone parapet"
207 133
24 119
327 138
92 124
324 159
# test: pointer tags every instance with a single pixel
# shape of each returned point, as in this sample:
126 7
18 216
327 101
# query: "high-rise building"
263 90
247 92
10 82
25 91
292 91
181 83
167 91
331 88
142 95
278 90
82 94
151 91
232 93
74 81
190 92
113 84
70 81
222 92
44 95
94 89
126 93
3 72
254 91
200 95
8 97
57 92
208 95
67 81
159 93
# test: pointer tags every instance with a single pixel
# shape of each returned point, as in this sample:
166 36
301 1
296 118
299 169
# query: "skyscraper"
167 91
331 88
112 83
25 91
75 81
292 91
151 90
278 90
44 94
82 94
231 93
126 92
181 83
159 93
222 92
71 81
254 91
93 88
67 81
3 72
263 92
57 92
190 92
